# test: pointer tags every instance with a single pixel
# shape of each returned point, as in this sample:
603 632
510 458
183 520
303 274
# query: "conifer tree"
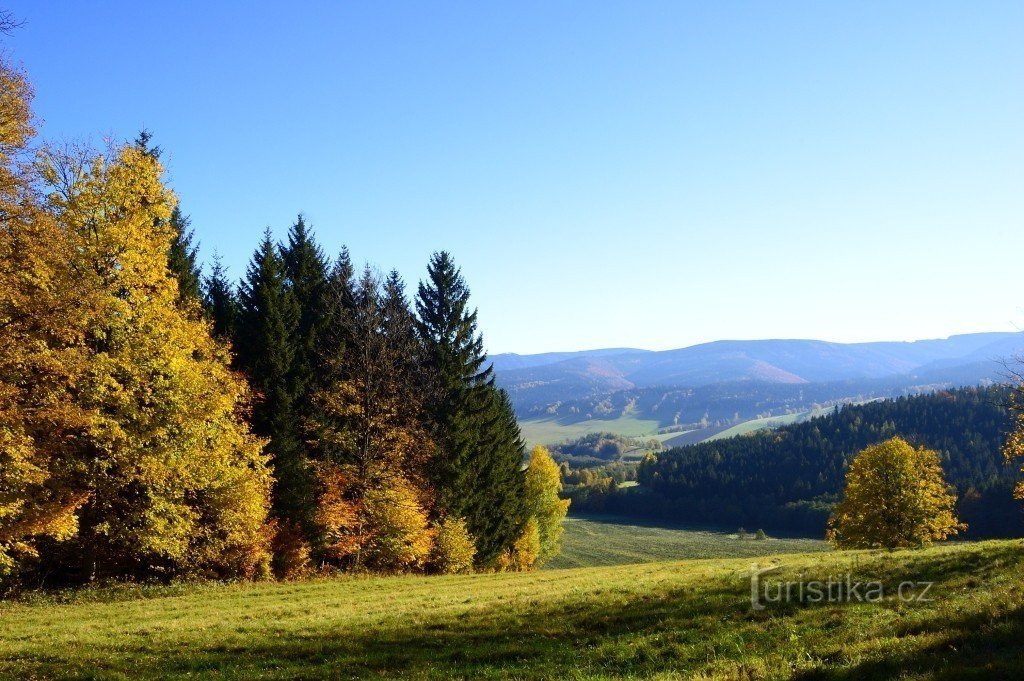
339 301
477 470
307 273
268 318
220 301
182 258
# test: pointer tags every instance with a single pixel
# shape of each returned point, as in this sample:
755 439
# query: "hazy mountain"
546 382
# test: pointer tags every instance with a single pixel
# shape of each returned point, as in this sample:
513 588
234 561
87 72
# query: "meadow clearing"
670 619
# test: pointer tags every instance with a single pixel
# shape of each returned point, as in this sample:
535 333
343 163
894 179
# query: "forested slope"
788 478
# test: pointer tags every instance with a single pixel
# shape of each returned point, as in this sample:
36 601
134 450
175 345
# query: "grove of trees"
790 478
155 423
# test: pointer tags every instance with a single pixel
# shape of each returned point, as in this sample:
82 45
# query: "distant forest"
789 479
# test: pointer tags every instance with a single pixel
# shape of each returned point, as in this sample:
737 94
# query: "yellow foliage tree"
543 485
42 313
454 548
400 537
1014 447
896 496
175 481
525 551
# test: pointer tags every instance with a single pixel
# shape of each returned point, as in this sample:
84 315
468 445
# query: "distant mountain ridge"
538 382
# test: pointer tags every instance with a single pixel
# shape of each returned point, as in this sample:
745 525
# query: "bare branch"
9 22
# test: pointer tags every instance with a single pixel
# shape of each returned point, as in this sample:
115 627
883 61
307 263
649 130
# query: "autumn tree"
174 480
896 496
368 426
524 552
454 548
1013 449
543 503
43 316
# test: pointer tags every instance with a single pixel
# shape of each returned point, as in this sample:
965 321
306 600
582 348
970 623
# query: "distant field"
594 541
673 620
550 431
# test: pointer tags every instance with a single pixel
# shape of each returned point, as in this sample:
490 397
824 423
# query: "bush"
291 551
454 548
524 552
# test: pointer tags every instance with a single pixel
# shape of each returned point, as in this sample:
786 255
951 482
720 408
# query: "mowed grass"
550 431
672 620
597 540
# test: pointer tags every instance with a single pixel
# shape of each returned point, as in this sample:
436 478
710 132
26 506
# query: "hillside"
688 619
714 386
590 541
787 478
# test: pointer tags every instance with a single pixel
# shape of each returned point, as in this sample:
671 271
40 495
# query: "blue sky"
607 174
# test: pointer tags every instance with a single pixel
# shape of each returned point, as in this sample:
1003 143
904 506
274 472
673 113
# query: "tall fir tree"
477 470
307 272
183 258
220 300
266 347
339 302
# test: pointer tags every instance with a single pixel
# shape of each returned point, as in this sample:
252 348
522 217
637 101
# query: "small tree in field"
543 485
896 497
1014 447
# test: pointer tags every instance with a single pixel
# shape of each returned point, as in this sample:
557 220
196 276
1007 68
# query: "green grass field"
593 541
550 431
668 620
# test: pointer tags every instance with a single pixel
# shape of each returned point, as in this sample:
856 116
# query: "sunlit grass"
599 540
666 620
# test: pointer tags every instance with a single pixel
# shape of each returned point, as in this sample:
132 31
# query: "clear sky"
651 174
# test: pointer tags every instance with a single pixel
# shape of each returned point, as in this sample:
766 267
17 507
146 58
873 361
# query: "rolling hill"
718 385
671 620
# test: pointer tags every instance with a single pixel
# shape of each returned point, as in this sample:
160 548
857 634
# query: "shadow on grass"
615 632
975 647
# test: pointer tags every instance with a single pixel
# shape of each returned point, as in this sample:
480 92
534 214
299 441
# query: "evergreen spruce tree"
221 301
339 301
266 346
477 470
182 258
306 269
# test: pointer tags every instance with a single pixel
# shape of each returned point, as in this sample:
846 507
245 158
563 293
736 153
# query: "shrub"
454 548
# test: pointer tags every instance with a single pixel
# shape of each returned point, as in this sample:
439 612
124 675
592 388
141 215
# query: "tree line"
790 478
155 423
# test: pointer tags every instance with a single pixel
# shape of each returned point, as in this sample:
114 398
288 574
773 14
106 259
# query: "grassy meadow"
666 620
602 540
550 431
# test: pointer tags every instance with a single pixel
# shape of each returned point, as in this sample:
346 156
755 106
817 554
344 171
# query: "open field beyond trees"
591 541
686 619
